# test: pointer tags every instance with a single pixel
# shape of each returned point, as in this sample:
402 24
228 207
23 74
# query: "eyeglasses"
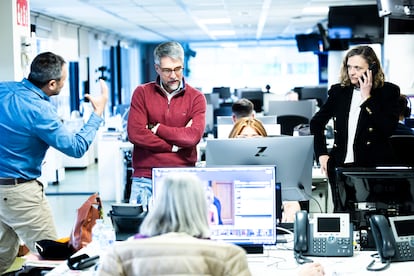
168 71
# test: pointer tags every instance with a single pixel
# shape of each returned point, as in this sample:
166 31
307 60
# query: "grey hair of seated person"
180 205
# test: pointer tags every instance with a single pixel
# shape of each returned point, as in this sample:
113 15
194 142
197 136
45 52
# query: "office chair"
126 219
288 123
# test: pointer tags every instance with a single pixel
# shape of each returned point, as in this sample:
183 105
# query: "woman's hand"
311 269
323 162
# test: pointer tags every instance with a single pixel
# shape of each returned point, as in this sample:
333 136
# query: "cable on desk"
381 268
300 185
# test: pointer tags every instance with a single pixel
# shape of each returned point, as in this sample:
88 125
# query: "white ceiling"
187 20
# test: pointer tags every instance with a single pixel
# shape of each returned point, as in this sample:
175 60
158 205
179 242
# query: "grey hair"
170 49
180 205
45 67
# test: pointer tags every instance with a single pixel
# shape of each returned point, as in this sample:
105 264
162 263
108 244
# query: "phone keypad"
319 245
404 250
342 247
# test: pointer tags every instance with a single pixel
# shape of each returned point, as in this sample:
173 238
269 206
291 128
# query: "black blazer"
377 121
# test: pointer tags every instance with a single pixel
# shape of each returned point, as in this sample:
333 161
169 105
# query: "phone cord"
370 268
300 259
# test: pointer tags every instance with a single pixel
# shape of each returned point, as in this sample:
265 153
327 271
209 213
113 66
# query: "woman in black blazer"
364 109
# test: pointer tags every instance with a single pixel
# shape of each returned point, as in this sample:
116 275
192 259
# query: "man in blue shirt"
29 125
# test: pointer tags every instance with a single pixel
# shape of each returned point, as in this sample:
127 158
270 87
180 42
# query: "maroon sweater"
149 105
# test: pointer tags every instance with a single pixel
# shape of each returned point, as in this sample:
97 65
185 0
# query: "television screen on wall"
363 20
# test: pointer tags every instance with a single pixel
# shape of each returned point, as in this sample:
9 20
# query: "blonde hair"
244 122
180 205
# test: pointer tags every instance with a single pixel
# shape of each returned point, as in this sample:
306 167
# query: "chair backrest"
402 146
288 123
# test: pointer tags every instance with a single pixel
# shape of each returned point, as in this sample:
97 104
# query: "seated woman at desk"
253 128
174 239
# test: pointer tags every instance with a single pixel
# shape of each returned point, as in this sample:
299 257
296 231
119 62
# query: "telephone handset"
300 228
394 241
322 235
300 241
384 241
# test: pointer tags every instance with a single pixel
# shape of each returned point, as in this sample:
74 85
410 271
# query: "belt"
13 181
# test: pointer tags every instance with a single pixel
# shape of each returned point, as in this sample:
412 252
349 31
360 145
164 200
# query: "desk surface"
279 260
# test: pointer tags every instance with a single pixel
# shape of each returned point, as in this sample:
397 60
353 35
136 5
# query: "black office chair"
126 219
288 123
402 146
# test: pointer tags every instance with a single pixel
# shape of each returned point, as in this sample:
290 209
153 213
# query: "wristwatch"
151 125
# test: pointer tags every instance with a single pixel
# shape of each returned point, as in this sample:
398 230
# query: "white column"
15 33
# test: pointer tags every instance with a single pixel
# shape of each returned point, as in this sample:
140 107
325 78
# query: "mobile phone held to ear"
374 69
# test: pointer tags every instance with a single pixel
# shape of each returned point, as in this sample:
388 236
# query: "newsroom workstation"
324 45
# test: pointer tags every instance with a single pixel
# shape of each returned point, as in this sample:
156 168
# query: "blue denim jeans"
141 191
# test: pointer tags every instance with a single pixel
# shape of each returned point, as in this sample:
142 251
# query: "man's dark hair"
45 67
405 109
242 108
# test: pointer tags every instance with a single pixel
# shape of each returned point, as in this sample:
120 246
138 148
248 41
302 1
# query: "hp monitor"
292 156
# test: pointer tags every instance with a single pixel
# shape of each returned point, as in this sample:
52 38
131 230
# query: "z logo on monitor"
261 151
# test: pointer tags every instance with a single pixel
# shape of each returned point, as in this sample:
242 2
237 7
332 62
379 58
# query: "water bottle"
107 237
97 231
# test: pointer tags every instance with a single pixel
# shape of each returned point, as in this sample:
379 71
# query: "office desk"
279 261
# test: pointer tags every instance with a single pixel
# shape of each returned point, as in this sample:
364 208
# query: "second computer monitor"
225 125
304 108
246 198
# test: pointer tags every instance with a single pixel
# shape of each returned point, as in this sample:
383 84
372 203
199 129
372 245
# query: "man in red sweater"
165 122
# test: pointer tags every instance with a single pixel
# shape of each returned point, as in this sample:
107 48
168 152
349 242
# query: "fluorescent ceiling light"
229 45
214 21
222 32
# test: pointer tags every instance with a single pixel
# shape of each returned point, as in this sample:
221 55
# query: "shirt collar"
35 89
182 85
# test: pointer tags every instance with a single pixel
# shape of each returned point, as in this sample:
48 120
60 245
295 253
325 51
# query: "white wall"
399 61
14 58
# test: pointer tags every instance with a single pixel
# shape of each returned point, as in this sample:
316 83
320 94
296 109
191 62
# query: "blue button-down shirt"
29 124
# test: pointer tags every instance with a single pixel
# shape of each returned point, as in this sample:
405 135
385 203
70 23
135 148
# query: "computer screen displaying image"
245 198
292 156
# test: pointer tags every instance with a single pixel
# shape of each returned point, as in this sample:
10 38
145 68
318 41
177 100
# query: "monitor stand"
252 248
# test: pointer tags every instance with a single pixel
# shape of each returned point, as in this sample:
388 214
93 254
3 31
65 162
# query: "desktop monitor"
382 190
256 97
267 97
223 92
213 99
247 196
304 108
292 156
225 125
318 93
